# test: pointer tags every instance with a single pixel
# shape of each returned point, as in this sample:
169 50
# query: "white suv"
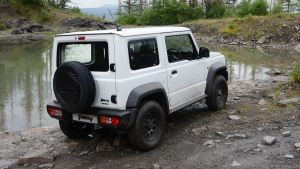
131 80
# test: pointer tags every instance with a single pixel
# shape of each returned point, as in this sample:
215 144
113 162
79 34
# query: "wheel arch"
215 69
150 91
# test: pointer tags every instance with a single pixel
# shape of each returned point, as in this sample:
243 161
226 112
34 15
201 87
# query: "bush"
229 13
244 9
231 29
215 10
2 27
295 73
259 7
277 9
163 13
43 17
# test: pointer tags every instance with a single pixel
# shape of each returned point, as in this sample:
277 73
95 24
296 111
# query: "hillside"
101 11
267 31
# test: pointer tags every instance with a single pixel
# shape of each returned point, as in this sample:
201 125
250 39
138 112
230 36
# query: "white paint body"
183 88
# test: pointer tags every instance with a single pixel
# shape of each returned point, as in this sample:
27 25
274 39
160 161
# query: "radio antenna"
118 27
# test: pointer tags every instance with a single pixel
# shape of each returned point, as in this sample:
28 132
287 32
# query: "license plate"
85 118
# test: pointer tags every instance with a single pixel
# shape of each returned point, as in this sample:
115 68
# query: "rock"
220 133
235 164
38 157
198 131
297 47
296 28
236 98
83 153
240 135
286 133
260 129
85 22
289 156
288 101
274 72
16 23
269 140
297 145
262 102
156 166
261 40
209 143
104 146
17 31
233 117
46 166
35 37
229 136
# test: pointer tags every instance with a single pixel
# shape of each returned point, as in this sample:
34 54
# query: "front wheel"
147 131
218 96
75 130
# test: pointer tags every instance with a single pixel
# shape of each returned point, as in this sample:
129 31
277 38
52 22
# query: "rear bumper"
126 117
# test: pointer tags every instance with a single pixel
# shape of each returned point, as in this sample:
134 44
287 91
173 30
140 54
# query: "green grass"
2 26
295 73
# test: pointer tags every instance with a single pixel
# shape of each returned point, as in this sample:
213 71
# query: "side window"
180 47
143 53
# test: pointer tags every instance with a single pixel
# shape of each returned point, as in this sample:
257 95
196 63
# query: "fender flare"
140 92
213 70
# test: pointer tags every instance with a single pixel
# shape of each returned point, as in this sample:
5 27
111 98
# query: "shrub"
259 7
43 17
127 18
229 13
216 10
244 9
2 26
295 73
277 9
231 29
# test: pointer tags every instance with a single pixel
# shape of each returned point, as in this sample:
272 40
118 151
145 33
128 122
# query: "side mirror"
203 52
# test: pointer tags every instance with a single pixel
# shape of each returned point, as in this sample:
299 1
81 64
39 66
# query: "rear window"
93 54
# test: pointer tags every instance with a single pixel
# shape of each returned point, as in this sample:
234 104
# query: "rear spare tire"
74 86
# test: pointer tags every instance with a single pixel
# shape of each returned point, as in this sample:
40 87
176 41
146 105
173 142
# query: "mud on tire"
218 96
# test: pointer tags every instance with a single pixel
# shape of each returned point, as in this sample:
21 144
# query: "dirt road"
195 137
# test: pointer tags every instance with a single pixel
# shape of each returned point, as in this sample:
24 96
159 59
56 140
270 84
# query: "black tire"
218 96
75 130
74 86
147 131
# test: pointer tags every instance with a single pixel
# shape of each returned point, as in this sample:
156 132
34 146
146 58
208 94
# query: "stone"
38 157
46 166
156 166
285 102
220 133
233 117
229 136
269 140
235 164
236 98
289 156
198 131
209 143
286 133
297 145
260 129
261 40
240 135
83 153
262 102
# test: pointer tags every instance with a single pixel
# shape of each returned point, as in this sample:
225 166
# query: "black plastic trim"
214 68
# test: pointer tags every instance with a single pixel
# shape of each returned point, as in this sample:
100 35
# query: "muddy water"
25 86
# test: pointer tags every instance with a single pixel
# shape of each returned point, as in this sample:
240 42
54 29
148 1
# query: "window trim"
141 39
89 64
193 45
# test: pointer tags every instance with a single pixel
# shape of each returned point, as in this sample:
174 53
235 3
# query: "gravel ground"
195 138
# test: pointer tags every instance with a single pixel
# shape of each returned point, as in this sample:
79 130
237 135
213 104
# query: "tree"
259 7
244 9
130 6
214 8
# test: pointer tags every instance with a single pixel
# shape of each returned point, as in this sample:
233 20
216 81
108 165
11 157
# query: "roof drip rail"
118 27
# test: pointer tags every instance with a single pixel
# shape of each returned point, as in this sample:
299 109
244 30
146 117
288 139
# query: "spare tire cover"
74 86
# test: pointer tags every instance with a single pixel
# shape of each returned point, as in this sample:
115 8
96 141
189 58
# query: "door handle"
174 72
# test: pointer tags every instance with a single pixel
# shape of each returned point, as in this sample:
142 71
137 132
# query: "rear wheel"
75 130
218 96
147 131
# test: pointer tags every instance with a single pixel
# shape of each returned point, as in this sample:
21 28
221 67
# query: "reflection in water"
252 64
25 84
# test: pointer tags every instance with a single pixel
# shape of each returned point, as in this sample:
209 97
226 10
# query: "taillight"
107 120
81 38
55 113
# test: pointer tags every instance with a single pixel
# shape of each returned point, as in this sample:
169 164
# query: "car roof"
131 31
